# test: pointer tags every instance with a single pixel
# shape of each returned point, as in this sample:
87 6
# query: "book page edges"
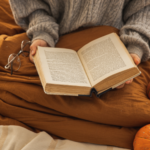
116 79
113 87
38 66
126 80
67 90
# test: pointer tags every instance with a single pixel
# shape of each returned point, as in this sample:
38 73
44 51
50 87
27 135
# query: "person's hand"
137 61
34 45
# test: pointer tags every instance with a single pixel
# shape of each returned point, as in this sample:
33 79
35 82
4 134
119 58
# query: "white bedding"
18 138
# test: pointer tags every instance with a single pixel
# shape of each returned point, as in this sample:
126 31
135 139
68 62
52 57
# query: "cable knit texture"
48 19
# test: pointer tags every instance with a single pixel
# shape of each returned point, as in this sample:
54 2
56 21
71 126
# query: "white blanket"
19 138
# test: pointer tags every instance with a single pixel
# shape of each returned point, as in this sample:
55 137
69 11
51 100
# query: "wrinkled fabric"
113 119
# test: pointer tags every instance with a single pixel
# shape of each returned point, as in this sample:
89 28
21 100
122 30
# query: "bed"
113 119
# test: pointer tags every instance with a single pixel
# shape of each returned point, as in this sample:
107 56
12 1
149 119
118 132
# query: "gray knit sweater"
48 19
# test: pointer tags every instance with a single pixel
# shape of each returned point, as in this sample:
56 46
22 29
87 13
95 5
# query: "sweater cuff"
135 50
43 36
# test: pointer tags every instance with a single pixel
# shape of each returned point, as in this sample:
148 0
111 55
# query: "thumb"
31 58
136 59
33 49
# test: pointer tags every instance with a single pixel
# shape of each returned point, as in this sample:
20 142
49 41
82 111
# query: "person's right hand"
34 45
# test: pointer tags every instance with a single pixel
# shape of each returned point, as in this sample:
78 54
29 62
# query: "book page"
62 66
103 57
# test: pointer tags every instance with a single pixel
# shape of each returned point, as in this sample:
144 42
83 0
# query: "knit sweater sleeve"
136 32
36 18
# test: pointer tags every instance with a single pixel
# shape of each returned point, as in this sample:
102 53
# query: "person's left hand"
137 61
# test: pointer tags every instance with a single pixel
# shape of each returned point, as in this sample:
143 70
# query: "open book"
100 65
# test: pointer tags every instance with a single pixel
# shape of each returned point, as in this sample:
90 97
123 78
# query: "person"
45 20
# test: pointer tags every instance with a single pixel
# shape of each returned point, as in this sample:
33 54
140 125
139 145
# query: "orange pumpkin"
142 139
148 90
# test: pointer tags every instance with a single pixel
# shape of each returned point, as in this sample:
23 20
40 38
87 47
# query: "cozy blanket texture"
18 138
112 119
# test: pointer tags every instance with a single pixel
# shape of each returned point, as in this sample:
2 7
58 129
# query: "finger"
129 81
33 49
120 86
136 59
31 58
